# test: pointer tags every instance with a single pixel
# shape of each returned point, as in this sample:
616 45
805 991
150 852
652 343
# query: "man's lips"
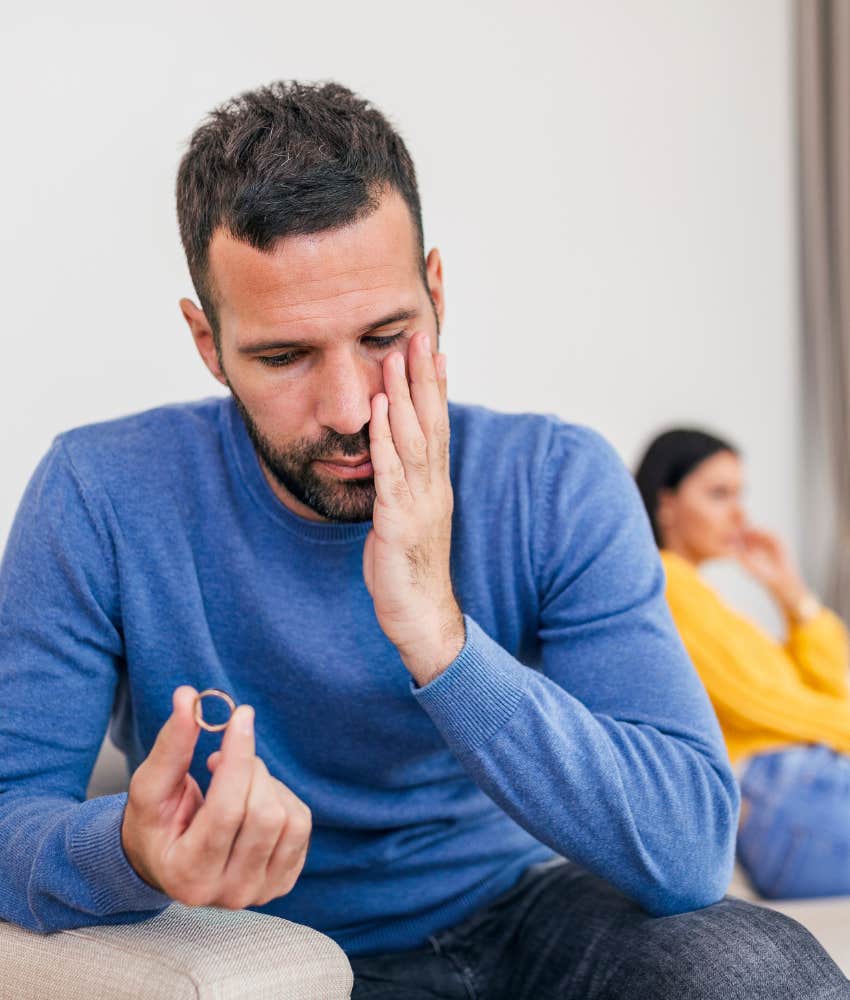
348 468
347 461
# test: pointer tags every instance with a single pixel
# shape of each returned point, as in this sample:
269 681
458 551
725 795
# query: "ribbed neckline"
684 570
242 452
668 555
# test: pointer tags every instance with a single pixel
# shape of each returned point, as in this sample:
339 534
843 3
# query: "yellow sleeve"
754 691
819 648
752 681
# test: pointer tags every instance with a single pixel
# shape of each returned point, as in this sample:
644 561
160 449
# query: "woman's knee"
795 839
802 860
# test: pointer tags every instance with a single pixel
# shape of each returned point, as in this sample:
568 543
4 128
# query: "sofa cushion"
202 953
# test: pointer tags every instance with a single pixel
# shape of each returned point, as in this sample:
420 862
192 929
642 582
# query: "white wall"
611 185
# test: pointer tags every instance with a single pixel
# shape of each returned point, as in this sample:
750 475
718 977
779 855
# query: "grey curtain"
823 92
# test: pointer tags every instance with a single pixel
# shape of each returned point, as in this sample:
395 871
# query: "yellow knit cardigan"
766 694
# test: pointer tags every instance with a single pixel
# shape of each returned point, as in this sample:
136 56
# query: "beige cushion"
827 919
184 952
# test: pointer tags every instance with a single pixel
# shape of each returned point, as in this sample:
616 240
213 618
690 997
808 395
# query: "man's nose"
347 383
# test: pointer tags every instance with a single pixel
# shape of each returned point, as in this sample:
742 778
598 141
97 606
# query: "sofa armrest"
183 952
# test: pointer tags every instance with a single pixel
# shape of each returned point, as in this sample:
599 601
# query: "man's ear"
434 271
203 336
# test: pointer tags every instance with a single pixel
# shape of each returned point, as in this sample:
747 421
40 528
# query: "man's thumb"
168 762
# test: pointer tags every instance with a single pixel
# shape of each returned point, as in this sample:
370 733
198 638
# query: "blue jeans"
563 933
794 839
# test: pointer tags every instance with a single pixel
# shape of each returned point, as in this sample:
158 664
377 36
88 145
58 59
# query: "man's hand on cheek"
406 556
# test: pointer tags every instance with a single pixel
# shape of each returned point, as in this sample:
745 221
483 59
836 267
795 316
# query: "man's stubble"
344 500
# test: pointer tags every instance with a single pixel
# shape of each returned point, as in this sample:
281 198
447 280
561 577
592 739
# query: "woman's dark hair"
669 458
287 159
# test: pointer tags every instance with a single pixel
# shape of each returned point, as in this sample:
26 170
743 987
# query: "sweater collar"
677 562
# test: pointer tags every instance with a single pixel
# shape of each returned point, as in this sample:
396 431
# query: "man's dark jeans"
563 933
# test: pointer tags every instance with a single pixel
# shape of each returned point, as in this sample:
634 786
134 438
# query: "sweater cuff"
95 847
477 692
816 623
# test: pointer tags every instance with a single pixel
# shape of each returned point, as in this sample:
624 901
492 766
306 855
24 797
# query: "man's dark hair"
287 159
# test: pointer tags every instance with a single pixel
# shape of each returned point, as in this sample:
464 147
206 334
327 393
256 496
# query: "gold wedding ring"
199 711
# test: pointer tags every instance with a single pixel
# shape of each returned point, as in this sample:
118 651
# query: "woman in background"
784 708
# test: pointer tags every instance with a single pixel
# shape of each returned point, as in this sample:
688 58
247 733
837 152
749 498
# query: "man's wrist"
132 858
433 655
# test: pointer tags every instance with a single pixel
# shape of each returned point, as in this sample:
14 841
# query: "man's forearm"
626 799
62 865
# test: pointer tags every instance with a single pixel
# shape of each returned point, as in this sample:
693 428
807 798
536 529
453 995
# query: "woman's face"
704 518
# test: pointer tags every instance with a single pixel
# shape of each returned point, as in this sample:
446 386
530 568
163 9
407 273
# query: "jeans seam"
466 974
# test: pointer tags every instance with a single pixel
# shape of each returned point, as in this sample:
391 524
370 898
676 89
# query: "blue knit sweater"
150 552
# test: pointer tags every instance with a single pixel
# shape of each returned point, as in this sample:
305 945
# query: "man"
445 628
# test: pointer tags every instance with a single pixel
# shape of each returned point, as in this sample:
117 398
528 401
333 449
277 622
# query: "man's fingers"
426 392
165 767
408 433
290 852
391 486
265 819
214 828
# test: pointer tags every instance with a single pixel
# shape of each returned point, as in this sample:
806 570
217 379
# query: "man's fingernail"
245 722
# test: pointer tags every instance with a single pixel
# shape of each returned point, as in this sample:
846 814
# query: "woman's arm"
753 683
817 638
819 648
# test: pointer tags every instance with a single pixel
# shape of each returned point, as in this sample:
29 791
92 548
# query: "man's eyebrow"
400 316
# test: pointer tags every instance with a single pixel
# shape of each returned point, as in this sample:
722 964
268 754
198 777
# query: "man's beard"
347 500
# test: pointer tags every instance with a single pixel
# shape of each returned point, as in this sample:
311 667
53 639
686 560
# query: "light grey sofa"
202 953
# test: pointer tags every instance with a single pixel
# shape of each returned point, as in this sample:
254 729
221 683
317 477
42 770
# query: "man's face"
303 334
